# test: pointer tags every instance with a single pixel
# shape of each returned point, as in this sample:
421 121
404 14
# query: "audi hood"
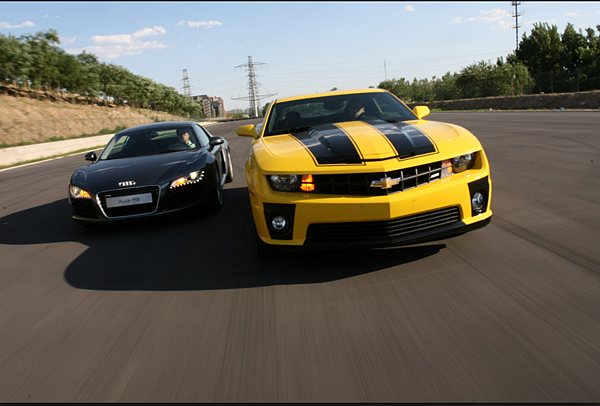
139 171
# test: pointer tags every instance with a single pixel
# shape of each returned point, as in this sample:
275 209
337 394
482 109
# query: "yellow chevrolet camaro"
358 168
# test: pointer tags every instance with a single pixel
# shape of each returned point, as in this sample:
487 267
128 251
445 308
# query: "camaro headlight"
458 164
78 193
191 178
284 183
463 162
292 183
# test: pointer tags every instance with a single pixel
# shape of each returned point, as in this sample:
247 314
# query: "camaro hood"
359 142
144 170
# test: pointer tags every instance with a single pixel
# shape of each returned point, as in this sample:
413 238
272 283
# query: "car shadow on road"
207 252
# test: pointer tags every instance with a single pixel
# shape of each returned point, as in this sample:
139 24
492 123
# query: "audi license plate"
128 200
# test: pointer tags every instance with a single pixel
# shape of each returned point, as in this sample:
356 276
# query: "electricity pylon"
253 96
187 89
516 16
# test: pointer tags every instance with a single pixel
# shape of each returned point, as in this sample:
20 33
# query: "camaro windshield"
300 115
149 142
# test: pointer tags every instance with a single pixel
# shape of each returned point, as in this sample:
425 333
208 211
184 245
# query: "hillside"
30 117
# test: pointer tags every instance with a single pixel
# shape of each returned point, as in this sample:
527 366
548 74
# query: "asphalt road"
184 311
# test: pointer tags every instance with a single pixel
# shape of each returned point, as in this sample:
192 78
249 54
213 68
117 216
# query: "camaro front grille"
375 230
131 210
360 184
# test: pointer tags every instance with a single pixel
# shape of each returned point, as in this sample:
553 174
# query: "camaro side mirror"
91 156
247 131
421 111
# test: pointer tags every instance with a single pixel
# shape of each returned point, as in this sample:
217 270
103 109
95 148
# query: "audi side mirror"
91 156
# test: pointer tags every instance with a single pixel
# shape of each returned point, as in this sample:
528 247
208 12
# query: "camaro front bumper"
435 211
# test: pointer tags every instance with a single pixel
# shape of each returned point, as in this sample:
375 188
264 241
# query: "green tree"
15 60
43 66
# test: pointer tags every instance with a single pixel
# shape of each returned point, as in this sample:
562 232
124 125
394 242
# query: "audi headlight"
191 178
284 183
78 193
463 162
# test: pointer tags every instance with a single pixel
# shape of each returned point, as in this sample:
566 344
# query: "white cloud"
117 50
409 8
489 16
64 40
501 19
114 46
196 24
23 25
457 20
112 39
503 25
571 14
147 32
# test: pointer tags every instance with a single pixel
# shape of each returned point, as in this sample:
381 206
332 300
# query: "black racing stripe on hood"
406 139
330 145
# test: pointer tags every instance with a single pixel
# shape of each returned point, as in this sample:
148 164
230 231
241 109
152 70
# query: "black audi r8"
151 170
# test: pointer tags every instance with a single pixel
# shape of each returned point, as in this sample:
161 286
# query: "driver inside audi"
184 136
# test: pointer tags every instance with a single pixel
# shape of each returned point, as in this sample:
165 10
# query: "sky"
296 47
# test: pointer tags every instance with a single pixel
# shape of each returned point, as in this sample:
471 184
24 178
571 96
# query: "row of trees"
545 61
36 61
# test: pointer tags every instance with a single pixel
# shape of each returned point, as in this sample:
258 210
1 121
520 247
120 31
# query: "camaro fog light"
478 202
79 193
279 223
284 183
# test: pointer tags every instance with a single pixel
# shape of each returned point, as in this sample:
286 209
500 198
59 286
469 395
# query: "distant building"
213 106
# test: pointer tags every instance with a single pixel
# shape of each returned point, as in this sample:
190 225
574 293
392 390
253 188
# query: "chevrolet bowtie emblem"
385 183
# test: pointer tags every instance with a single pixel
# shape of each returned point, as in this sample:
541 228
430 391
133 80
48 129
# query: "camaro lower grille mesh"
360 184
130 210
374 230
